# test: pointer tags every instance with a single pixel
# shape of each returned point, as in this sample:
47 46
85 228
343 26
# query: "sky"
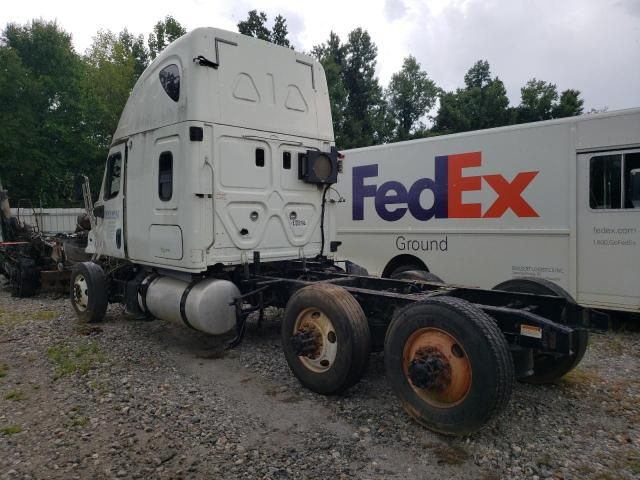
589 45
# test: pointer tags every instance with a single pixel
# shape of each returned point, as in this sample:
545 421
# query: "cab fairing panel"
251 88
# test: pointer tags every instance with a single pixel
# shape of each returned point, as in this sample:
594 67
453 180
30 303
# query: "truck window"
114 170
165 176
631 163
170 81
610 180
259 157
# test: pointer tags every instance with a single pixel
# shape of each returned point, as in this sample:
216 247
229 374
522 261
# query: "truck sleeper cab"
216 203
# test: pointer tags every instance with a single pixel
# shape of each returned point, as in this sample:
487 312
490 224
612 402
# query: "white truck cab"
204 164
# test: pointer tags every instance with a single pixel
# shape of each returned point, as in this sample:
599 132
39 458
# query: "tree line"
60 108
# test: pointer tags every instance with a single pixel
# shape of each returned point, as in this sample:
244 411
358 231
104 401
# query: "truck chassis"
451 352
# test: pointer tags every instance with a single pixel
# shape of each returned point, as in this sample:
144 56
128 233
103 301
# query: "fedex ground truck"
557 200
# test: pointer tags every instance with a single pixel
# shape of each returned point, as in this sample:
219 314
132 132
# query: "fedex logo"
392 199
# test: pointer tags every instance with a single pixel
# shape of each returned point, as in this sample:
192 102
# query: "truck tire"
26 281
548 368
449 364
326 338
417 275
89 295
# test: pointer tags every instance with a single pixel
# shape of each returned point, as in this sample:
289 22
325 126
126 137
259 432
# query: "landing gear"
89 296
449 364
326 338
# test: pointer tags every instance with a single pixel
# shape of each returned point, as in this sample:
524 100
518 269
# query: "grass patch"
581 376
69 360
78 421
15 395
11 430
4 369
10 319
97 386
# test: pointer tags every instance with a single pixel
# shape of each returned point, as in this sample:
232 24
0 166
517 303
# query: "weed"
11 430
80 358
4 368
78 421
97 386
15 395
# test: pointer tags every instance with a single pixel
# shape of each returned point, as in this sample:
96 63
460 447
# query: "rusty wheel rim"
315 324
437 367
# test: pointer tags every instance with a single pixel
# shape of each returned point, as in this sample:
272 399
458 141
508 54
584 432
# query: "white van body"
185 200
547 199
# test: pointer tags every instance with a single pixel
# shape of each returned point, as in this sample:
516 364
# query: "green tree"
483 103
136 46
411 94
256 26
164 32
537 101
367 120
331 56
280 32
112 70
570 104
47 136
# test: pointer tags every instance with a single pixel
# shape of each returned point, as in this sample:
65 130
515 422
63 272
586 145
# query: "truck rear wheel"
89 296
449 364
548 368
326 338
417 275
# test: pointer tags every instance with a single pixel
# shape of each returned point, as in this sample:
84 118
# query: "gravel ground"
133 399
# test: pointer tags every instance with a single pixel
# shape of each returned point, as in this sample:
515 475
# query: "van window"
170 80
610 180
165 176
631 163
114 172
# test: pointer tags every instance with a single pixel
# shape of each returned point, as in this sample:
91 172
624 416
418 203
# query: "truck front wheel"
449 364
89 296
326 338
548 368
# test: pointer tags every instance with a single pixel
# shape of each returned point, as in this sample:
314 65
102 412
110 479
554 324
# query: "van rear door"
608 273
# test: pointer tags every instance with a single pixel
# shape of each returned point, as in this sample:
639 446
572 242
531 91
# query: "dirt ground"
137 399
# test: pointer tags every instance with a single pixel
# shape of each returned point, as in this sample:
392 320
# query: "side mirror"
634 187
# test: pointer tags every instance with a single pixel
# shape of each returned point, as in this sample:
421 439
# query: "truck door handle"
118 238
